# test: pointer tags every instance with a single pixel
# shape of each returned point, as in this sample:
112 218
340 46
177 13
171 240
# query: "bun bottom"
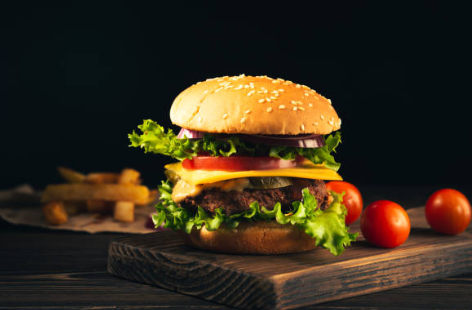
251 238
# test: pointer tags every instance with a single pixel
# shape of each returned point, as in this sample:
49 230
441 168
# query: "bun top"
254 105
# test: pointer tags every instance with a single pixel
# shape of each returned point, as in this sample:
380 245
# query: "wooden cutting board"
293 280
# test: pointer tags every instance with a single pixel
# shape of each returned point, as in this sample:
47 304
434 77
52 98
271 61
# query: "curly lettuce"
326 227
155 139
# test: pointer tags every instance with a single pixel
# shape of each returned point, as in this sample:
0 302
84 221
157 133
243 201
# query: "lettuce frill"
154 139
326 227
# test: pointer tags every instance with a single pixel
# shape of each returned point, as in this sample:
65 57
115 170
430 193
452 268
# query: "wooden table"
51 269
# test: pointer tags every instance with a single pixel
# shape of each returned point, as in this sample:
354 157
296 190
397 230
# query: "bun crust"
251 238
254 105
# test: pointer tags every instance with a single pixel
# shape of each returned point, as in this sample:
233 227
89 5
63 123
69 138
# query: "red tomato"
385 224
239 163
352 199
448 211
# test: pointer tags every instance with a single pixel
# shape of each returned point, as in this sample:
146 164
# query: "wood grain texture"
295 280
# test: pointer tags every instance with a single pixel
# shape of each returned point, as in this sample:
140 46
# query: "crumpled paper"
22 206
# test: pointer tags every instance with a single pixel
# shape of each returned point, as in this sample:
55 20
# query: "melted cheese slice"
307 171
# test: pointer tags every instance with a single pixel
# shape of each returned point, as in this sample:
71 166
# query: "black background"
77 77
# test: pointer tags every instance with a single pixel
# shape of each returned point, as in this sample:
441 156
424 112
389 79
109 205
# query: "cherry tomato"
239 163
385 224
352 199
448 211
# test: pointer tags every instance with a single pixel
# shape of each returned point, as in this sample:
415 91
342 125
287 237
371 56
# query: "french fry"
110 192
102 178
153 196
128 176
124 211
70 175
99 206
55 213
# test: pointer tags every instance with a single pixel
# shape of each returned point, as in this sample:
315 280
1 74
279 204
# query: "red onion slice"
191 134
303 141
307 141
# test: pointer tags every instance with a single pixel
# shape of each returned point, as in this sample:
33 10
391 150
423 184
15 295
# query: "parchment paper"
21 205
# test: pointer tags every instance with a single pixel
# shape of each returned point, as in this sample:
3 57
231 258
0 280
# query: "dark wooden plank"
42 269
81 282
289 281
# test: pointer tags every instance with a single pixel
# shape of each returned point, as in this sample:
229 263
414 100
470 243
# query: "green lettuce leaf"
154 139
326 227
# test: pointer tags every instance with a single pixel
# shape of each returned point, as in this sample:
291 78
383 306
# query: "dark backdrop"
76 77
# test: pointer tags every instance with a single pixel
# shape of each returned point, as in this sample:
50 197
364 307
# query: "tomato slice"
239 163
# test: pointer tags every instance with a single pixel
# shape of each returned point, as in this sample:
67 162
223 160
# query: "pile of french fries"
117 193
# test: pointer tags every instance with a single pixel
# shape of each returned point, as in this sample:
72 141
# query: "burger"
252 156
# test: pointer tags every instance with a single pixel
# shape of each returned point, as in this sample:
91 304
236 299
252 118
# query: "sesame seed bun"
251 238
254 105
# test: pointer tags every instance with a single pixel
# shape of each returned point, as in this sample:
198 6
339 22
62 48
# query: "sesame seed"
251 92
301 108
261 100
329 100
276 94
246 86
331 122
218 89
268 99
302 127
281 90
243 120
294 108
225 116
239 87
306 87
205 92
310 105
293 102
339 122
298 86
322 117
281 107
247 111
269 109
299 102
276 81
273 97
316 123
307 94
199 119
251 85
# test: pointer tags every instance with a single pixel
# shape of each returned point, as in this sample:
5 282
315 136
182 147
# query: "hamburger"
252 155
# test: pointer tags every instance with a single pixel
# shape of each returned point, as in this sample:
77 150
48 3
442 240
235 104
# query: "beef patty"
238 201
